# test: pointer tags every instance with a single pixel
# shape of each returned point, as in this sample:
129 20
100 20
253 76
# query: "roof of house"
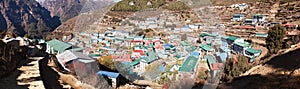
243 44
204 34
151 57
195 54
232 38
261 35
59 45
238 15
184 43
69 56
108 74
254 51
139 51
94 55
216 66
189 64
86 61
205 47
135 62
210 59
223 56
162 68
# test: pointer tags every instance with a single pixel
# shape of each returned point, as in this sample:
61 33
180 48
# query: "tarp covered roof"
108 74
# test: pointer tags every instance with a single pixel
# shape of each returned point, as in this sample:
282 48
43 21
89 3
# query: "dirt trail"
27 76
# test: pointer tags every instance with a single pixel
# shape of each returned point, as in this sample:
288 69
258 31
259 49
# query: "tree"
107 61
275 38
199 41
234 68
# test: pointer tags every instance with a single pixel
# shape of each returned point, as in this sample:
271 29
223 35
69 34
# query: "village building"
56 47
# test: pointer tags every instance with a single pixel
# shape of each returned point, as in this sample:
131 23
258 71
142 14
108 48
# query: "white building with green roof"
57 46
240 47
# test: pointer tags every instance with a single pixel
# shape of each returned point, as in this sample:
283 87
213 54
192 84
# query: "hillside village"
170 44
163 50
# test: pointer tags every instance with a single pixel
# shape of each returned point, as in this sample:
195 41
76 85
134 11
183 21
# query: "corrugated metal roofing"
195 54
205 47
261 35
210 59
135 62
243 44
232 38
184 43
189 64
59 45
69 56
151 57
254 51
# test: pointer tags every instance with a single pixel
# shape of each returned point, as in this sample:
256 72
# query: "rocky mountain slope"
66 9
26 17
280 72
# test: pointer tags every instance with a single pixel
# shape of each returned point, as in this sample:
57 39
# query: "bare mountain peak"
26 17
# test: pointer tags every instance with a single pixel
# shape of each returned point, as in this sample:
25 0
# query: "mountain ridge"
26 17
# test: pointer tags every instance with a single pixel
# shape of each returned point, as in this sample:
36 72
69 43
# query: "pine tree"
274 41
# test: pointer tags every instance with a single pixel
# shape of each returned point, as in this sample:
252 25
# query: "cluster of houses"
171 52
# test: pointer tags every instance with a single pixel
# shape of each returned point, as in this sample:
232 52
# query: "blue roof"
168 45
238 15
195 54
108 74
126 63
223 56
162 68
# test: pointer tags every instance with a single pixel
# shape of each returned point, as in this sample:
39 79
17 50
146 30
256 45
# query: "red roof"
159 47
122 58
258 27
216 66
139 51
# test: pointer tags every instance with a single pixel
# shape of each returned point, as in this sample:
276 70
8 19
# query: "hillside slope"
67 9
26 17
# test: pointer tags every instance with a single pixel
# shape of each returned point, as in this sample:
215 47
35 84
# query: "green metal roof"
94 55
178 56
204 34
58 45
148 38
232 38
261 35
210 59
135 62
253 51
184 43
151 57
189 64
119 38
243 44
257 15
205 47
